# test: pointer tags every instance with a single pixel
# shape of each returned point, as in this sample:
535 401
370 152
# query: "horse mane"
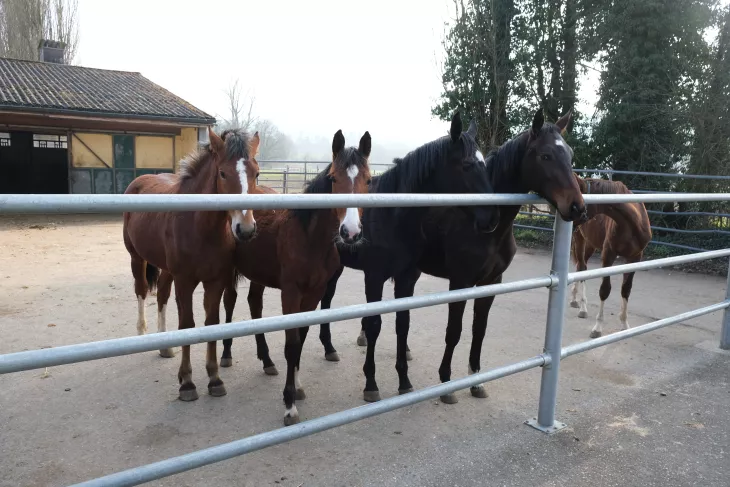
236 143
603 186
410 172
322 184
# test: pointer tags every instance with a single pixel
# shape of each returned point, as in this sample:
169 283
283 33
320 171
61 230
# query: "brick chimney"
51 51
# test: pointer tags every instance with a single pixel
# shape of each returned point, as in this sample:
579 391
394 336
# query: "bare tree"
275 145
240 109
24 23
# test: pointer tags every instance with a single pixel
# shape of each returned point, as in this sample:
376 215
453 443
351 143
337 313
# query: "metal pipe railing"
48 357
171 466
113 203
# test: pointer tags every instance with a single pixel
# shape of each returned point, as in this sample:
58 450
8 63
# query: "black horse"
392 239
537 160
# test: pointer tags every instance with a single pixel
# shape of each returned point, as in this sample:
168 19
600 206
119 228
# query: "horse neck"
204 182
504 168
627 215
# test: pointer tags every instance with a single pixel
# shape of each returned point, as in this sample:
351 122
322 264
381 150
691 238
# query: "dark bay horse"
621 230
294 250
195 246
395 236
537 160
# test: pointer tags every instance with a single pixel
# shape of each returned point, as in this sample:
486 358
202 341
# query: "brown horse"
195 246
294 251
617 230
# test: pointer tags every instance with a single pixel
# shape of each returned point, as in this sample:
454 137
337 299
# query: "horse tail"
237 278
152 273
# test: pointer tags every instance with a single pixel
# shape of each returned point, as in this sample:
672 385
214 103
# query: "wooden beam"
26 121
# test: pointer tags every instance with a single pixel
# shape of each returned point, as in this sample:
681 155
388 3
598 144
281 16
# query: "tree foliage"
24 23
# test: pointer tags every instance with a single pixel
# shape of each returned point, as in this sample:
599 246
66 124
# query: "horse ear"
254 145
456 127
338 143
365 145
564 121
216 143
537 123
472 128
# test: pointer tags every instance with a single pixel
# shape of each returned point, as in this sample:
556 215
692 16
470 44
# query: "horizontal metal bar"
111 203
678 246
284 161
48 357
531 227
677 230
646 265
658 174
639 330
200 458
689 213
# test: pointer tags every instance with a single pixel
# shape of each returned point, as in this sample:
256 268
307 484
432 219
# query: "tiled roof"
30 85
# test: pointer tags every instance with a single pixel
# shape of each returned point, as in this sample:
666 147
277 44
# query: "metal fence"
556 281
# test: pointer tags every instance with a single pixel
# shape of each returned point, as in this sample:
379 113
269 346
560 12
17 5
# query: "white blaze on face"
559 143
480 156
351 222
238 217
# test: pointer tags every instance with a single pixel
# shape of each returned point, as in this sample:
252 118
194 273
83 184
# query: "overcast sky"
315 66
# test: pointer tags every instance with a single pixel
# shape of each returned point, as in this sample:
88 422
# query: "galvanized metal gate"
556 281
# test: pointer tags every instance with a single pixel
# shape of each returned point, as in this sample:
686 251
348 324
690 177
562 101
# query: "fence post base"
557 426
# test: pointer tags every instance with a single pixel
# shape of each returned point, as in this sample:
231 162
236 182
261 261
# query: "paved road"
648 411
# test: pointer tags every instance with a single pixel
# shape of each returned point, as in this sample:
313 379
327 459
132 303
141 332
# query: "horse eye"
545 157
257 174
223 175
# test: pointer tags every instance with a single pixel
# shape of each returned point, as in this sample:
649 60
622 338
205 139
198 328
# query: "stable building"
70 129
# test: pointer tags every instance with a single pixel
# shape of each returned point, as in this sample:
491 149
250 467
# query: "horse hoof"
271 370
300 395
595 334
167 353
291 419
479 392
226 362
188 394
574 304
409 357
217 390
362 340
371 396
449 399
583 314
332 357
405 391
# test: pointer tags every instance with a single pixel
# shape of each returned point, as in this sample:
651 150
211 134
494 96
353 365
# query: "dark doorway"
33 166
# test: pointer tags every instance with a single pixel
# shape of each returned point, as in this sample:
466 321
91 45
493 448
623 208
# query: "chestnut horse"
620 230
536 160
194 246
294 251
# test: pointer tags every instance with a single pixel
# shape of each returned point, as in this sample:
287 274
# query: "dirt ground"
647 411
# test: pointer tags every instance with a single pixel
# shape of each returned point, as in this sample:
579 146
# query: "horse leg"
577 247
372 325
184 288
626 292
256 306
164 287
139 269
478 330
404 287
453 334
330 354
608 257
583 299
291 300
229 304
212 304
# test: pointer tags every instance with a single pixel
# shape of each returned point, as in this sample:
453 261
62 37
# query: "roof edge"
120 115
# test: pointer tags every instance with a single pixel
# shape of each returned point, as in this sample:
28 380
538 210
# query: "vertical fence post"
545 421
725 332
283 184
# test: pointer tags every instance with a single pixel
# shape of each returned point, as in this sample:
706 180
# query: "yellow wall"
185 143
101 144
153 152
